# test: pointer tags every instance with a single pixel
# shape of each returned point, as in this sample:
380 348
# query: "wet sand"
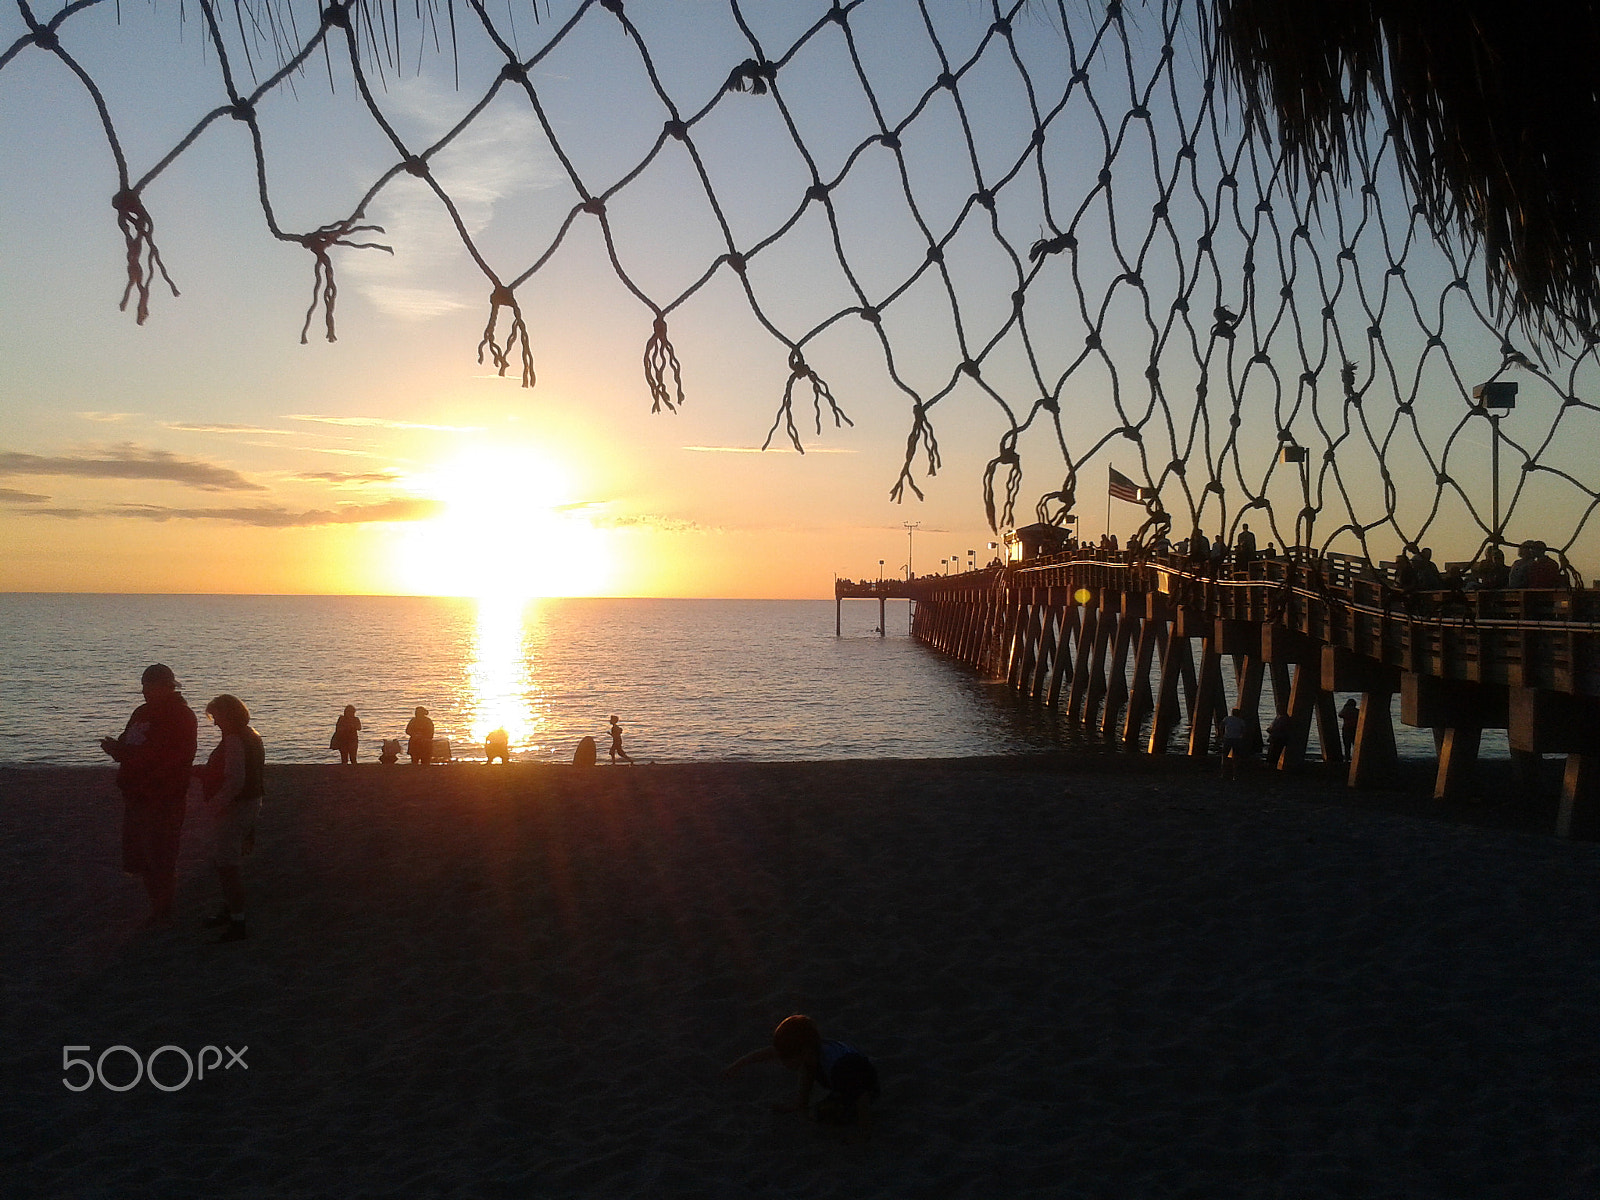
1111 978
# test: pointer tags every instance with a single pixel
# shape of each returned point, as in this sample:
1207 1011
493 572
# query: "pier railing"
1113 638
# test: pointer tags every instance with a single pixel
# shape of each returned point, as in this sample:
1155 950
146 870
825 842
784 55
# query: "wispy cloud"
128 461
265 516
340 478
656 521
203 427
383 423
13 496
499 155
768 450
108 418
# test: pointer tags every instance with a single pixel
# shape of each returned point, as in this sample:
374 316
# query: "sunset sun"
510 527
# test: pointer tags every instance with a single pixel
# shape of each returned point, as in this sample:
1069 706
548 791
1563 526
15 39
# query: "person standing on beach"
616 743
1234 732
154 755
232 784
420 732
346 735
1349 718
1277 738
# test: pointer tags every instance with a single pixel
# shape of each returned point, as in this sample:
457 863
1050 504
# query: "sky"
209 450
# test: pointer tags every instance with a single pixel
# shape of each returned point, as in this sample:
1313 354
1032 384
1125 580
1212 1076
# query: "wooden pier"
882 590
1128 645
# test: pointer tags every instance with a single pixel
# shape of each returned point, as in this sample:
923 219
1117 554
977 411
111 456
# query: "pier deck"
1126 643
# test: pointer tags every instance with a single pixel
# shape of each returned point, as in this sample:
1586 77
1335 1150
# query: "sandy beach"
1104 978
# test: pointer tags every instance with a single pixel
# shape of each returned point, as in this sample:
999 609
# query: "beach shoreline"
1099 975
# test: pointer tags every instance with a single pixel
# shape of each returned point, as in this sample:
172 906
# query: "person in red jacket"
154 755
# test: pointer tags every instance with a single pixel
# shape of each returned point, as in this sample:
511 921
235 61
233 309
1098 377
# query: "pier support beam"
1174 653
1063 664
1088 638
1458 711
1117 684
1105 627
1208 699
1458 762
1544 722
1374 758
1140 697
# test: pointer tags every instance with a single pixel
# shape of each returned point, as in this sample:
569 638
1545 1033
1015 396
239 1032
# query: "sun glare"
509 531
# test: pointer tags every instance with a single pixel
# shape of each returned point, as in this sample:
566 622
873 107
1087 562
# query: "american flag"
1123 488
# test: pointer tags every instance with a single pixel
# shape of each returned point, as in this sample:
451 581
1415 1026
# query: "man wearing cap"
155 753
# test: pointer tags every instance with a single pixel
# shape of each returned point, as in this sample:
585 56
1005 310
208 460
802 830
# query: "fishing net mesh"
1064 216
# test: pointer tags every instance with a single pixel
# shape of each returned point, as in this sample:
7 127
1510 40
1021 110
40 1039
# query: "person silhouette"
616 742
1349 720
419 731
346 735
232 784
497 745
154 755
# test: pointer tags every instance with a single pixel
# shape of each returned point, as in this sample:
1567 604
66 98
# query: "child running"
616 743
847 1074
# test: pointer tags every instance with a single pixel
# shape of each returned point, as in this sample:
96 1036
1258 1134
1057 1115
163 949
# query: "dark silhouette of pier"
1130 642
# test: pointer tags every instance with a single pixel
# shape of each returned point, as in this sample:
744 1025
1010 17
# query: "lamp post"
972 560
880 570
911 529
1493 400
1289 452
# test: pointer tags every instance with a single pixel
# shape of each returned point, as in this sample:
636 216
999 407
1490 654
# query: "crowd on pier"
1414 569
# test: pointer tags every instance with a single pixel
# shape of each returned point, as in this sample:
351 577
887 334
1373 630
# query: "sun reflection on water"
505 692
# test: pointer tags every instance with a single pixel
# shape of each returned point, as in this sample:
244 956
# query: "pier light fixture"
880 570
1493 401
1292 452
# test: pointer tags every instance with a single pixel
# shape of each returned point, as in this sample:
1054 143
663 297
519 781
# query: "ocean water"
762 680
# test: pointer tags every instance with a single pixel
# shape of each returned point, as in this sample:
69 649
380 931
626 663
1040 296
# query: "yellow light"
508 531
504 691
1083 595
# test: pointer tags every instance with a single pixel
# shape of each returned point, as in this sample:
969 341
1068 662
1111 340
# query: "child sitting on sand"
849 1076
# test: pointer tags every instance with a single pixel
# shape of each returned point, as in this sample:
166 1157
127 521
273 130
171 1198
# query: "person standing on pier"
1244 548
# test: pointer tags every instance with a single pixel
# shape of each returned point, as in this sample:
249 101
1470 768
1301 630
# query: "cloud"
383 423
768 450
656 521
108 418
273 516
501 154
344 477
12 496
202 427
131 462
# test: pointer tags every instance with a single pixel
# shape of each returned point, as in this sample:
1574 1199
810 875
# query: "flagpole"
1109 469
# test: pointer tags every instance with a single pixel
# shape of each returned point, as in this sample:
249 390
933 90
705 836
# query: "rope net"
1054 210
